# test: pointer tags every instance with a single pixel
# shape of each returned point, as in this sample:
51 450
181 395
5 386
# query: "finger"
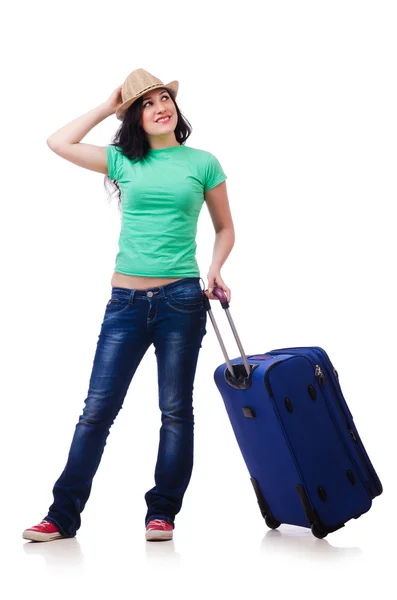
210 296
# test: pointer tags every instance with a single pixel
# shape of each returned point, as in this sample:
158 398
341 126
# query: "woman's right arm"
66 141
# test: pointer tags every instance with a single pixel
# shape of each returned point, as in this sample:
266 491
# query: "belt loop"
131 300
162 292
203 284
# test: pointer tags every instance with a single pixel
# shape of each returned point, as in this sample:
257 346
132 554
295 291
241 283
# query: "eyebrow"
160 92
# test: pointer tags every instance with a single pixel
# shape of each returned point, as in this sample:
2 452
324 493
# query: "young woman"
156 295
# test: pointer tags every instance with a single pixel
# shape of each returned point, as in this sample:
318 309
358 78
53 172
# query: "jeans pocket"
117 301
187 299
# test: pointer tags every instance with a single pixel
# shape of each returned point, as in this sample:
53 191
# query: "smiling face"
157 104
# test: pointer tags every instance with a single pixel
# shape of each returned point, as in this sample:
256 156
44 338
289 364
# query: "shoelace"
157 522
45 523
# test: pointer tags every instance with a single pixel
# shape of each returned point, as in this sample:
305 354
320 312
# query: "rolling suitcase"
307 463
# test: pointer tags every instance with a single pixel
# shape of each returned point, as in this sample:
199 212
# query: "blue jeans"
173 318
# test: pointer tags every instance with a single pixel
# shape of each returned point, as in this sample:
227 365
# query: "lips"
165 117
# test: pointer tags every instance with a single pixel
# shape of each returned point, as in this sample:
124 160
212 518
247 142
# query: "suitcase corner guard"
241 381
319 529
271 521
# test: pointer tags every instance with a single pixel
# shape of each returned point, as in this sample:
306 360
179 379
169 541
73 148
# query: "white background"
298 101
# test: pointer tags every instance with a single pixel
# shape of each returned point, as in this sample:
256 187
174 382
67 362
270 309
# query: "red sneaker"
157 529
43 532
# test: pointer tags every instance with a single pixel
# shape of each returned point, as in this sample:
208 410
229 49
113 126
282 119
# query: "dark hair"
131 138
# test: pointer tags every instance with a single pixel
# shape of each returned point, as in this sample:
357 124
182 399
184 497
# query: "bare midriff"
139 283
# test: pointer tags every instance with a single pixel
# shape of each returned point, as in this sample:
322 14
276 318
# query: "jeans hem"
59 527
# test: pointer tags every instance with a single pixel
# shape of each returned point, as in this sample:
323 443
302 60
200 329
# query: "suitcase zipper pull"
353 435
319 374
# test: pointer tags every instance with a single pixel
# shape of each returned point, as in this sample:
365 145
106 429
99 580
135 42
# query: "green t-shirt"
161 199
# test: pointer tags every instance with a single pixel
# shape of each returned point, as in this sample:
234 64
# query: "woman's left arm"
219 209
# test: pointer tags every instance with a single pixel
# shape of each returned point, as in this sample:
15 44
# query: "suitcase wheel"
272 522
317 533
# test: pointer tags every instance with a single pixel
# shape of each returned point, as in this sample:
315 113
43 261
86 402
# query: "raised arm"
66 142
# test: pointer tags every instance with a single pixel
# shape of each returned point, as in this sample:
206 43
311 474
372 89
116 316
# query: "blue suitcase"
307 463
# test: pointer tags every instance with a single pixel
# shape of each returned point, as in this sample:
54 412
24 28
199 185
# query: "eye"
149 102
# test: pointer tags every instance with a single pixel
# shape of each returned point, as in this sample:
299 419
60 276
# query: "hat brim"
122 109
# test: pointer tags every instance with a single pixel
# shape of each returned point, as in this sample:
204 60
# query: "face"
156 104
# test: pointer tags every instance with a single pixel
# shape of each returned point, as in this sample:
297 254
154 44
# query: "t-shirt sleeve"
214 174
115 162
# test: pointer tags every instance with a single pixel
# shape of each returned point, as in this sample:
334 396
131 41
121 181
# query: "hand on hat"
114 99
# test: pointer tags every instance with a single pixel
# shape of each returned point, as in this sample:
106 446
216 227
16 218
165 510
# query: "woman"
156 295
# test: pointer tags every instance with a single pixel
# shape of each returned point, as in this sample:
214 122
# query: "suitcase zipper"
320 375
356 440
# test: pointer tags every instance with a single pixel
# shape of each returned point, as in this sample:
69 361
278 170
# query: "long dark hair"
131 138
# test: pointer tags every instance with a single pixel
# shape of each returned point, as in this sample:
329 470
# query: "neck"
158 142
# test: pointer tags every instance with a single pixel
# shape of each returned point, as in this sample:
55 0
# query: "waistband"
161 290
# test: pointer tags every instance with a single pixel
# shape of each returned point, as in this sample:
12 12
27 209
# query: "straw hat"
138 83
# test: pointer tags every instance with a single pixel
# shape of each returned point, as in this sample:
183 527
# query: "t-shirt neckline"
164 150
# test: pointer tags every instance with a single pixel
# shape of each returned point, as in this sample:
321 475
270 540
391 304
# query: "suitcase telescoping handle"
220 294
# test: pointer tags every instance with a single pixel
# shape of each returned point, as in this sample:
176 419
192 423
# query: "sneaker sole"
36 536
154 535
